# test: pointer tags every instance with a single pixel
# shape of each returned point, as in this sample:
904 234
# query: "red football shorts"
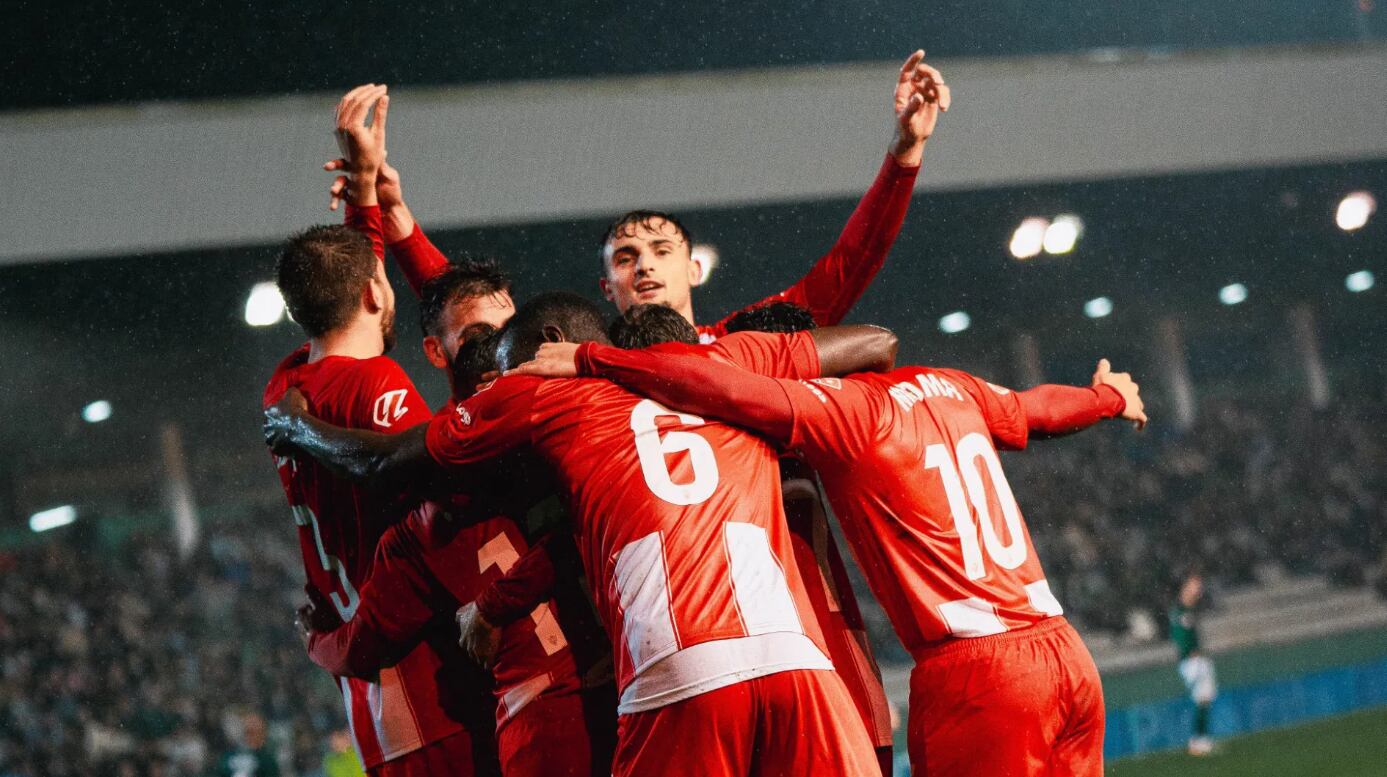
793 723
560 736
1025 702
456 755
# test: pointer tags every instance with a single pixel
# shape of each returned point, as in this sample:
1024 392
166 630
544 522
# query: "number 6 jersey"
679 523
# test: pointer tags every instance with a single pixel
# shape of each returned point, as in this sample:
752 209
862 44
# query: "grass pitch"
1349 746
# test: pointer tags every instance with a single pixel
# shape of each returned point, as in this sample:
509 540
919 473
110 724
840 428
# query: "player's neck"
686 310
360 339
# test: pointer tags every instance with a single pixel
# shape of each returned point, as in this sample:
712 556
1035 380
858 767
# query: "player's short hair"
777 317
642 326
627 222
472 276
575 317
321 272
476 357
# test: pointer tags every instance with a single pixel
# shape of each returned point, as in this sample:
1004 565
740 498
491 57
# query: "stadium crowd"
129 661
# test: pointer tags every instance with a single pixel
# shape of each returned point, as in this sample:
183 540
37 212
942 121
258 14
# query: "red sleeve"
835 283
1053 411
517 593
396 405
836 417
366 220
1000 407
393 610
775 356
694 384
494 420
419 258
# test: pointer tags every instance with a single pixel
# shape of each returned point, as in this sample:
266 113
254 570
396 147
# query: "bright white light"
1062 234
706 257
1029 238
96 412
1360 281
1098 307
1232 294
955 322
1354 211
52 518
264 306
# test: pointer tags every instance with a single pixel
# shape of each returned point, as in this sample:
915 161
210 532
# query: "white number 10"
971 450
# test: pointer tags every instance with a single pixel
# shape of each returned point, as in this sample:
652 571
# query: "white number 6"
652 449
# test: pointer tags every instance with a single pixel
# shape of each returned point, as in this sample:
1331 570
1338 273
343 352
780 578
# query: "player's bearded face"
387 328
649 265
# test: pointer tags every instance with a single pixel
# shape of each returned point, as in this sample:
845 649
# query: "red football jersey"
339 526
433 563
679 523
909 462
834 601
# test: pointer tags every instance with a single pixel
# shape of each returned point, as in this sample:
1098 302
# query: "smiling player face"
649 265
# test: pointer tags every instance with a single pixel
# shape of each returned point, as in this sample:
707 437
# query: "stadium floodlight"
1062 234
706 257
1098 307
52 518
1232 294
1354 210
264 306
96 412
955 322
1029 238
1359 281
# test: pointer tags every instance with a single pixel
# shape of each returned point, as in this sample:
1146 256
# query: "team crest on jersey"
390 407
833 383
463 415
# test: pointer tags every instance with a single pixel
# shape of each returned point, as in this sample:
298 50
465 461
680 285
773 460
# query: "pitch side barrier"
1166 725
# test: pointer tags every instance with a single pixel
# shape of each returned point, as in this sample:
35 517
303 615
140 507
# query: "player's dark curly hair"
544 318
476 357
642 326
472 276
626 224
778 317
321 272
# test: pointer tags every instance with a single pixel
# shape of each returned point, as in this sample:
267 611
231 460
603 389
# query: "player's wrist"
907 151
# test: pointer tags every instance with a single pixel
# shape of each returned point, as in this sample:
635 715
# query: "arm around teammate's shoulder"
844 350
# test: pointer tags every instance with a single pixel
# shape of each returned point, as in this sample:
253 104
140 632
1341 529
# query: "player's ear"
553 334
373 297
433 351
695 272
606 288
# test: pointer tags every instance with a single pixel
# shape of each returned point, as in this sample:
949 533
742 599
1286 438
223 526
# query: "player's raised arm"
835 283
1055 411
372 187
353 454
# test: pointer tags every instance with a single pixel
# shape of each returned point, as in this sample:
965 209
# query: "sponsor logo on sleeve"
833 383
390 407
999 389
463 415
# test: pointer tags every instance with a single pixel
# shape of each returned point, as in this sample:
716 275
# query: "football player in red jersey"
647 255
1002 683
335 287
720 662
543 709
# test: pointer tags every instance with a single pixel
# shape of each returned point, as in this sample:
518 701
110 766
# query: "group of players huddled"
615 557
